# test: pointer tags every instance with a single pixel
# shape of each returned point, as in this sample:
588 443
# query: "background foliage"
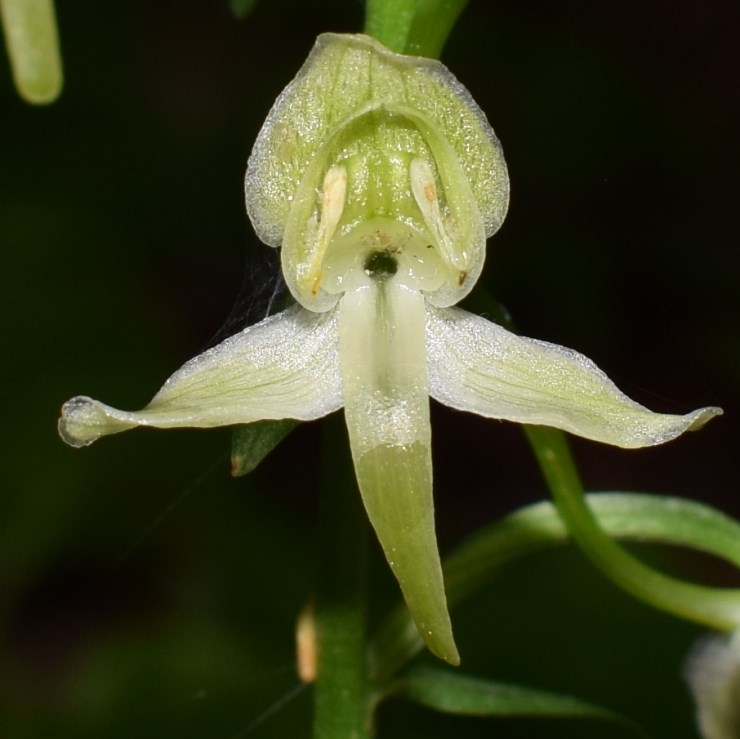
145 593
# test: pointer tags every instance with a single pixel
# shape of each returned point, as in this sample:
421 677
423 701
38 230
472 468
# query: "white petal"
386 398
286 366
477 366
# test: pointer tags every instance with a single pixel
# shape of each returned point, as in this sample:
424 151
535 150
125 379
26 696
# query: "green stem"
389 21
418 27
718 609
432 24
341 699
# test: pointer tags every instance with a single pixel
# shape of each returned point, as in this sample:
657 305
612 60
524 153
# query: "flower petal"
283 367
383 361
477 366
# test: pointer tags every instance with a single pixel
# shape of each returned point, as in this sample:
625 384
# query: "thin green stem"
389 21
341 700
480 559
432 24
713 607
418 27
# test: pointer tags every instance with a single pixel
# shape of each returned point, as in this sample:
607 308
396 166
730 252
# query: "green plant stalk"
341 700
431 25
418 27
712 607
389 21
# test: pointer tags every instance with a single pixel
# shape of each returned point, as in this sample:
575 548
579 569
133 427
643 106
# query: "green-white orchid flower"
380 178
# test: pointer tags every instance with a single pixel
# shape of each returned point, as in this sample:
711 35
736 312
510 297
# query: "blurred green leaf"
242 8
631 516
452 692
33 46
252 442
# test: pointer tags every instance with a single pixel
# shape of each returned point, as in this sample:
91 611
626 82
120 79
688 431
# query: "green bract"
33 47
380 178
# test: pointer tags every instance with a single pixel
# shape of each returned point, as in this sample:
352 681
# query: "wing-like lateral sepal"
477 366
286 366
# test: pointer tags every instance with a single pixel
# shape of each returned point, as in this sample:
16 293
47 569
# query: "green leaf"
629 516
479 560
252 442
242 8
666 520
448 692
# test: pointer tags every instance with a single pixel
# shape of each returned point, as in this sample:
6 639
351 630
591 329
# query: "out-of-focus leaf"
452 692
242 8
252 442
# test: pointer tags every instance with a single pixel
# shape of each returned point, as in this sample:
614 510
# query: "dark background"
145 593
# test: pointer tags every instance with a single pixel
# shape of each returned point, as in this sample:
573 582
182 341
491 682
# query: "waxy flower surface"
380 179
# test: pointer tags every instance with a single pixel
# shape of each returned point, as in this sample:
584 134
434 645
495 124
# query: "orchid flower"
380 178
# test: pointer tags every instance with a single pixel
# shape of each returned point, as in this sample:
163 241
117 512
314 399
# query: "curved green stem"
712 607
481 558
